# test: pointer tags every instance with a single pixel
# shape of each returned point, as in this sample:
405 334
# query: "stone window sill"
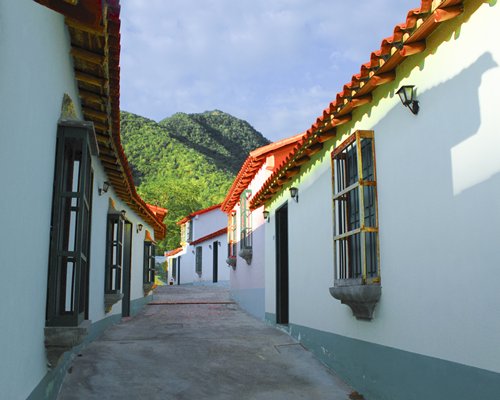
59 339
147 287
362 299
246 254
110 299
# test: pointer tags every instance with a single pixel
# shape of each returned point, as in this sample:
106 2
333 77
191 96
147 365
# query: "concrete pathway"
196 344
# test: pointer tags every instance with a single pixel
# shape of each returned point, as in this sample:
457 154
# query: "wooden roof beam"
284 179
90 79
94 30
311 150
325 136
103 117
412 48
361 101
292 171
93 97
382 79
302 160
444 14
89 56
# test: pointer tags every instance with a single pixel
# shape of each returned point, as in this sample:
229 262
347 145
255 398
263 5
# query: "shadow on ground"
196 344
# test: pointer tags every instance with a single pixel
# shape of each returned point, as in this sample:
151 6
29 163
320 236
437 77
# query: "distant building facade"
245 228
201 257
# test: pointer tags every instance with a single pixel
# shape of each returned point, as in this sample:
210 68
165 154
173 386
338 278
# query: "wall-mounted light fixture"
294 193
104 189
266 214
210 246
123 213
407 96
139 228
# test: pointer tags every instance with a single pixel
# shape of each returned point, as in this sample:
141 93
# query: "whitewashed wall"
35 72
208 222
187 266
207 260
438 191
247 280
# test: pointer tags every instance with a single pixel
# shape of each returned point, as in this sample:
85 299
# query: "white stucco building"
201 257
246 233
385 266
68 199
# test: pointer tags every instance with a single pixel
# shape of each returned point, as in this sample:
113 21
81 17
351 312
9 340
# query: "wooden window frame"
199 260
67 287
245 221
148 275
174 268
344 235
114 253
232 242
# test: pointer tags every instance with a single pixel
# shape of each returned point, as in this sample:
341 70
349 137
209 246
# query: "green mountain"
186 162
219 136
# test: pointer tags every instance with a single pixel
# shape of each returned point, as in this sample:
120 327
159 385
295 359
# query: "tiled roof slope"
94 28
209 236
173 252
160 212
199 212
408 38
251 166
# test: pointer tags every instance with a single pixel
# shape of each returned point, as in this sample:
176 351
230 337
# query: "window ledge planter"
231 261
59 339
110 299
246 254
147 287
362 299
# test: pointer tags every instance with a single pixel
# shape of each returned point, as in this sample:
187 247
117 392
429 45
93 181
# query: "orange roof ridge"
173 252
408 38
275 145
251 166
198 212
209 236
160 212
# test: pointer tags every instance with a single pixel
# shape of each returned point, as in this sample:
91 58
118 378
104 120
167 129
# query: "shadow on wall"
438 145
436 169
250 275
461 127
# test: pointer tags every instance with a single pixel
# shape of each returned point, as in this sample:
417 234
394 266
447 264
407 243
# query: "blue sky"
275 63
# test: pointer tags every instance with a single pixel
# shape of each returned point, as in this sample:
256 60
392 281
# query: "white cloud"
277 64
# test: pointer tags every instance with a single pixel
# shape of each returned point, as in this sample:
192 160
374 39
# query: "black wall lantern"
104 189
266 215
294 193
406 94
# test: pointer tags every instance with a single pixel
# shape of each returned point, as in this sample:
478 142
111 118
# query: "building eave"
251 167
94 28
408 39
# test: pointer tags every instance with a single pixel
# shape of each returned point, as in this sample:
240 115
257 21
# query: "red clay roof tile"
378 71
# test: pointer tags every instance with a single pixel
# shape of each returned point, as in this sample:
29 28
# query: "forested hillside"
186 162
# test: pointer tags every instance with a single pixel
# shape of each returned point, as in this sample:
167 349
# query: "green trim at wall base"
137 304
271 318
385 373
49 386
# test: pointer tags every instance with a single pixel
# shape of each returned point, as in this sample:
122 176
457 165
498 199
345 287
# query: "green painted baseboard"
49 386
385 373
